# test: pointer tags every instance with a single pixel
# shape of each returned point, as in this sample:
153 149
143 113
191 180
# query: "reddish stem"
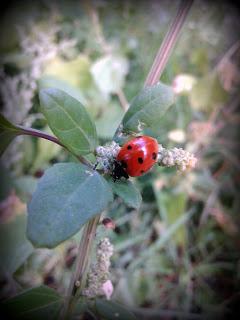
168 43
37 133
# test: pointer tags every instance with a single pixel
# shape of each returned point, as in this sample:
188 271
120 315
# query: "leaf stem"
37 133
78 279
168 43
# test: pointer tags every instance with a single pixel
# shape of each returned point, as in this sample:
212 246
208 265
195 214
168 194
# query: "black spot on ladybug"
154 156
124 164
129 147
140 160
142 171
139 137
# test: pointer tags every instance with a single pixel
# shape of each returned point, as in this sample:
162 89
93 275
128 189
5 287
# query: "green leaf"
80 307
127 191
148 107
67 196
7 133
110 310
15 248
69 121
37 303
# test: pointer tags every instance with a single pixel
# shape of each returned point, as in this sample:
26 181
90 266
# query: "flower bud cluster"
106 155
98 282
178 157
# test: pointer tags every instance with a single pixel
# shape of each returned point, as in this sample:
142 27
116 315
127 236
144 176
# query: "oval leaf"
37 303
148 107
110 310
69 121
128 192
67 196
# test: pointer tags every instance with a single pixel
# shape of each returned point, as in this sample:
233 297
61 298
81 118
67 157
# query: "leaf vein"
72 120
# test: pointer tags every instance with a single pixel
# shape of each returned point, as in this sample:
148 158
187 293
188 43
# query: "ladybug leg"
95 166
125 175
114 173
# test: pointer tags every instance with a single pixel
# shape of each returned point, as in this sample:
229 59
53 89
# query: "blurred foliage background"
179 252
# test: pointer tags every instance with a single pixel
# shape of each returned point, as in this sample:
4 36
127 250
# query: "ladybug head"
119 171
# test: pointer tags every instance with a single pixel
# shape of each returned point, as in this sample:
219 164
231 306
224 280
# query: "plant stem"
168 43
37 133
79 276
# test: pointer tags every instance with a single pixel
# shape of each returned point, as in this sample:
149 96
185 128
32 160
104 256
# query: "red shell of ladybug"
138 155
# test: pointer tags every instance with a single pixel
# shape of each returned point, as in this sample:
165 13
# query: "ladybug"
136 157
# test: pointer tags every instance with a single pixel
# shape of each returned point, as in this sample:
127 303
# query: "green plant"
74 185
70 195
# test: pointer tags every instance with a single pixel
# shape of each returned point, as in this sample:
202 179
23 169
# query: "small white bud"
107 289
178 157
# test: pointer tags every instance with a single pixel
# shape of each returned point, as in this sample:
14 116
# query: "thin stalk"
37 133
78 279
122 99
229 54
168 43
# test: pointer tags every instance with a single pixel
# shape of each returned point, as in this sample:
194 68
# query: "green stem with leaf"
79 276
168 44
78 279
